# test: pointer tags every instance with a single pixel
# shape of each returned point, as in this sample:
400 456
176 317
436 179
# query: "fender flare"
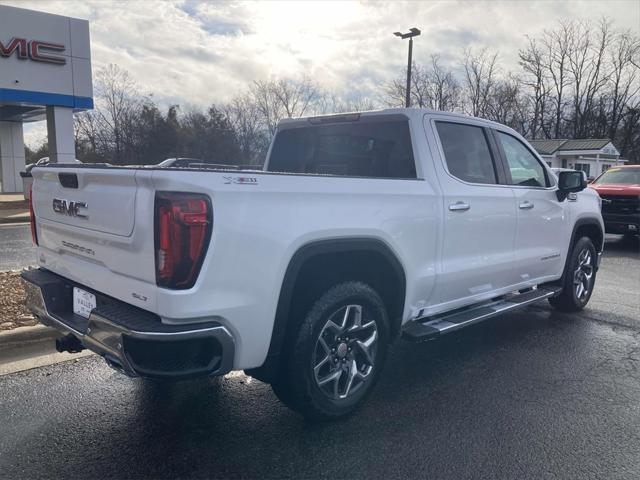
581 222
281 323
591 221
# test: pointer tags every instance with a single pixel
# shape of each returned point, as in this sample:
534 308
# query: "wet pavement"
533 394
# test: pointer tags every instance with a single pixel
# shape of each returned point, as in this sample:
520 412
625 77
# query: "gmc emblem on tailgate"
67 207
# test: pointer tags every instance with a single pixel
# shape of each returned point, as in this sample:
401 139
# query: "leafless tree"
556 44
394 94
444 89
333 103
587 68
284 98
507 105
574 80
245 116
432 87
624 78
480 71
110 126
533 61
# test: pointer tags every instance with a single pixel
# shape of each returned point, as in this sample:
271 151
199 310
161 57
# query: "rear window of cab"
374 148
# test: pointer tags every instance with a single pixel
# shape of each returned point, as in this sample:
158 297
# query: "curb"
24 348
21 335
16 219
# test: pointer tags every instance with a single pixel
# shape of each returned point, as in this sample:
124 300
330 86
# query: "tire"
579 278
336 356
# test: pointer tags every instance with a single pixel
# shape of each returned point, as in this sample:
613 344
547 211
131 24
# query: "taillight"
32 217
183 224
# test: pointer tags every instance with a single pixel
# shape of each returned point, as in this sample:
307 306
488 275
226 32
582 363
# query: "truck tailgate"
87 228
99 200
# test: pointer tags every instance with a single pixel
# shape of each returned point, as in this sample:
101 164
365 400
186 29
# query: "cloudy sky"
198 53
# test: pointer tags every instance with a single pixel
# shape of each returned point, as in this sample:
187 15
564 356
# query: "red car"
619 188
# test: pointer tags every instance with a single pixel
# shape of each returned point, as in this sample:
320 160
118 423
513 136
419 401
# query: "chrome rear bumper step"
427 328
130 339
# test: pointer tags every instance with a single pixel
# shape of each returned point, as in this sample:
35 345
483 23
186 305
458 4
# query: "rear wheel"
337 355
579 278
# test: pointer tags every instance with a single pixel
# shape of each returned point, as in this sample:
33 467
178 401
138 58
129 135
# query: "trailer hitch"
69 343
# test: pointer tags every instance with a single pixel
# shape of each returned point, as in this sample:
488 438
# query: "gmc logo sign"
35 50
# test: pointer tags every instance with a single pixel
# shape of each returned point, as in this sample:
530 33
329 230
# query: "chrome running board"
427 328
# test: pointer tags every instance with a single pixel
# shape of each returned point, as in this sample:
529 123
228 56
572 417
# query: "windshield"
628 176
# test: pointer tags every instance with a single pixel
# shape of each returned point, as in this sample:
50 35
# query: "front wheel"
579 279
337 355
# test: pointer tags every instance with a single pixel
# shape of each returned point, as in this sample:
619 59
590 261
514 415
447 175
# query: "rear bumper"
131 339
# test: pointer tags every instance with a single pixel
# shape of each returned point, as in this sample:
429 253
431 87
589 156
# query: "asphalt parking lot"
534 394
16 248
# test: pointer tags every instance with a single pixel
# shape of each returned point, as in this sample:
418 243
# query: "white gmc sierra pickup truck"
360 228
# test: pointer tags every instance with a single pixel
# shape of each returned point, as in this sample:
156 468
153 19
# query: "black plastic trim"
580 223
498 159
107 166
68 180
588 221
281 323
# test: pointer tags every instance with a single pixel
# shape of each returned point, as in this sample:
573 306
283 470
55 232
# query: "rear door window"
365 148
467 153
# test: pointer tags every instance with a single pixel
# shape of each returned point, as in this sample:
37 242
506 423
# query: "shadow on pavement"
458 387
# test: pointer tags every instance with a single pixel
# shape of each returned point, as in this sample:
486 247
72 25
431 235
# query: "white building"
45 73
592 156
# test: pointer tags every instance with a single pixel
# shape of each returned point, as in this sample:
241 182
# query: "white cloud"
35 133
199 53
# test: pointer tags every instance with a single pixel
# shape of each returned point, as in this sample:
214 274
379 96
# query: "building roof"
585 144
548 147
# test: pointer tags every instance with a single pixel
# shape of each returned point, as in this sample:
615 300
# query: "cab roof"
411 113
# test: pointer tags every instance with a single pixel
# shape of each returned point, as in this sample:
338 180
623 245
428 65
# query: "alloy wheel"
583 274
345 352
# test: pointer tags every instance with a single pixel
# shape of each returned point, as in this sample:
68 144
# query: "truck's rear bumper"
131 339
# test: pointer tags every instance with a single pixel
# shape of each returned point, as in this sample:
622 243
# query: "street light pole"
413 32
408 91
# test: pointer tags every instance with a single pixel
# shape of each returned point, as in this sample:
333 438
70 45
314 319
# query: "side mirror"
570 182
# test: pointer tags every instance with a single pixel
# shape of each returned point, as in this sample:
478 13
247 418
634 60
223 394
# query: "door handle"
526 205
459 206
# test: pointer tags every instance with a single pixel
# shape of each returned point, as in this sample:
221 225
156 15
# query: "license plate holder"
83 302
